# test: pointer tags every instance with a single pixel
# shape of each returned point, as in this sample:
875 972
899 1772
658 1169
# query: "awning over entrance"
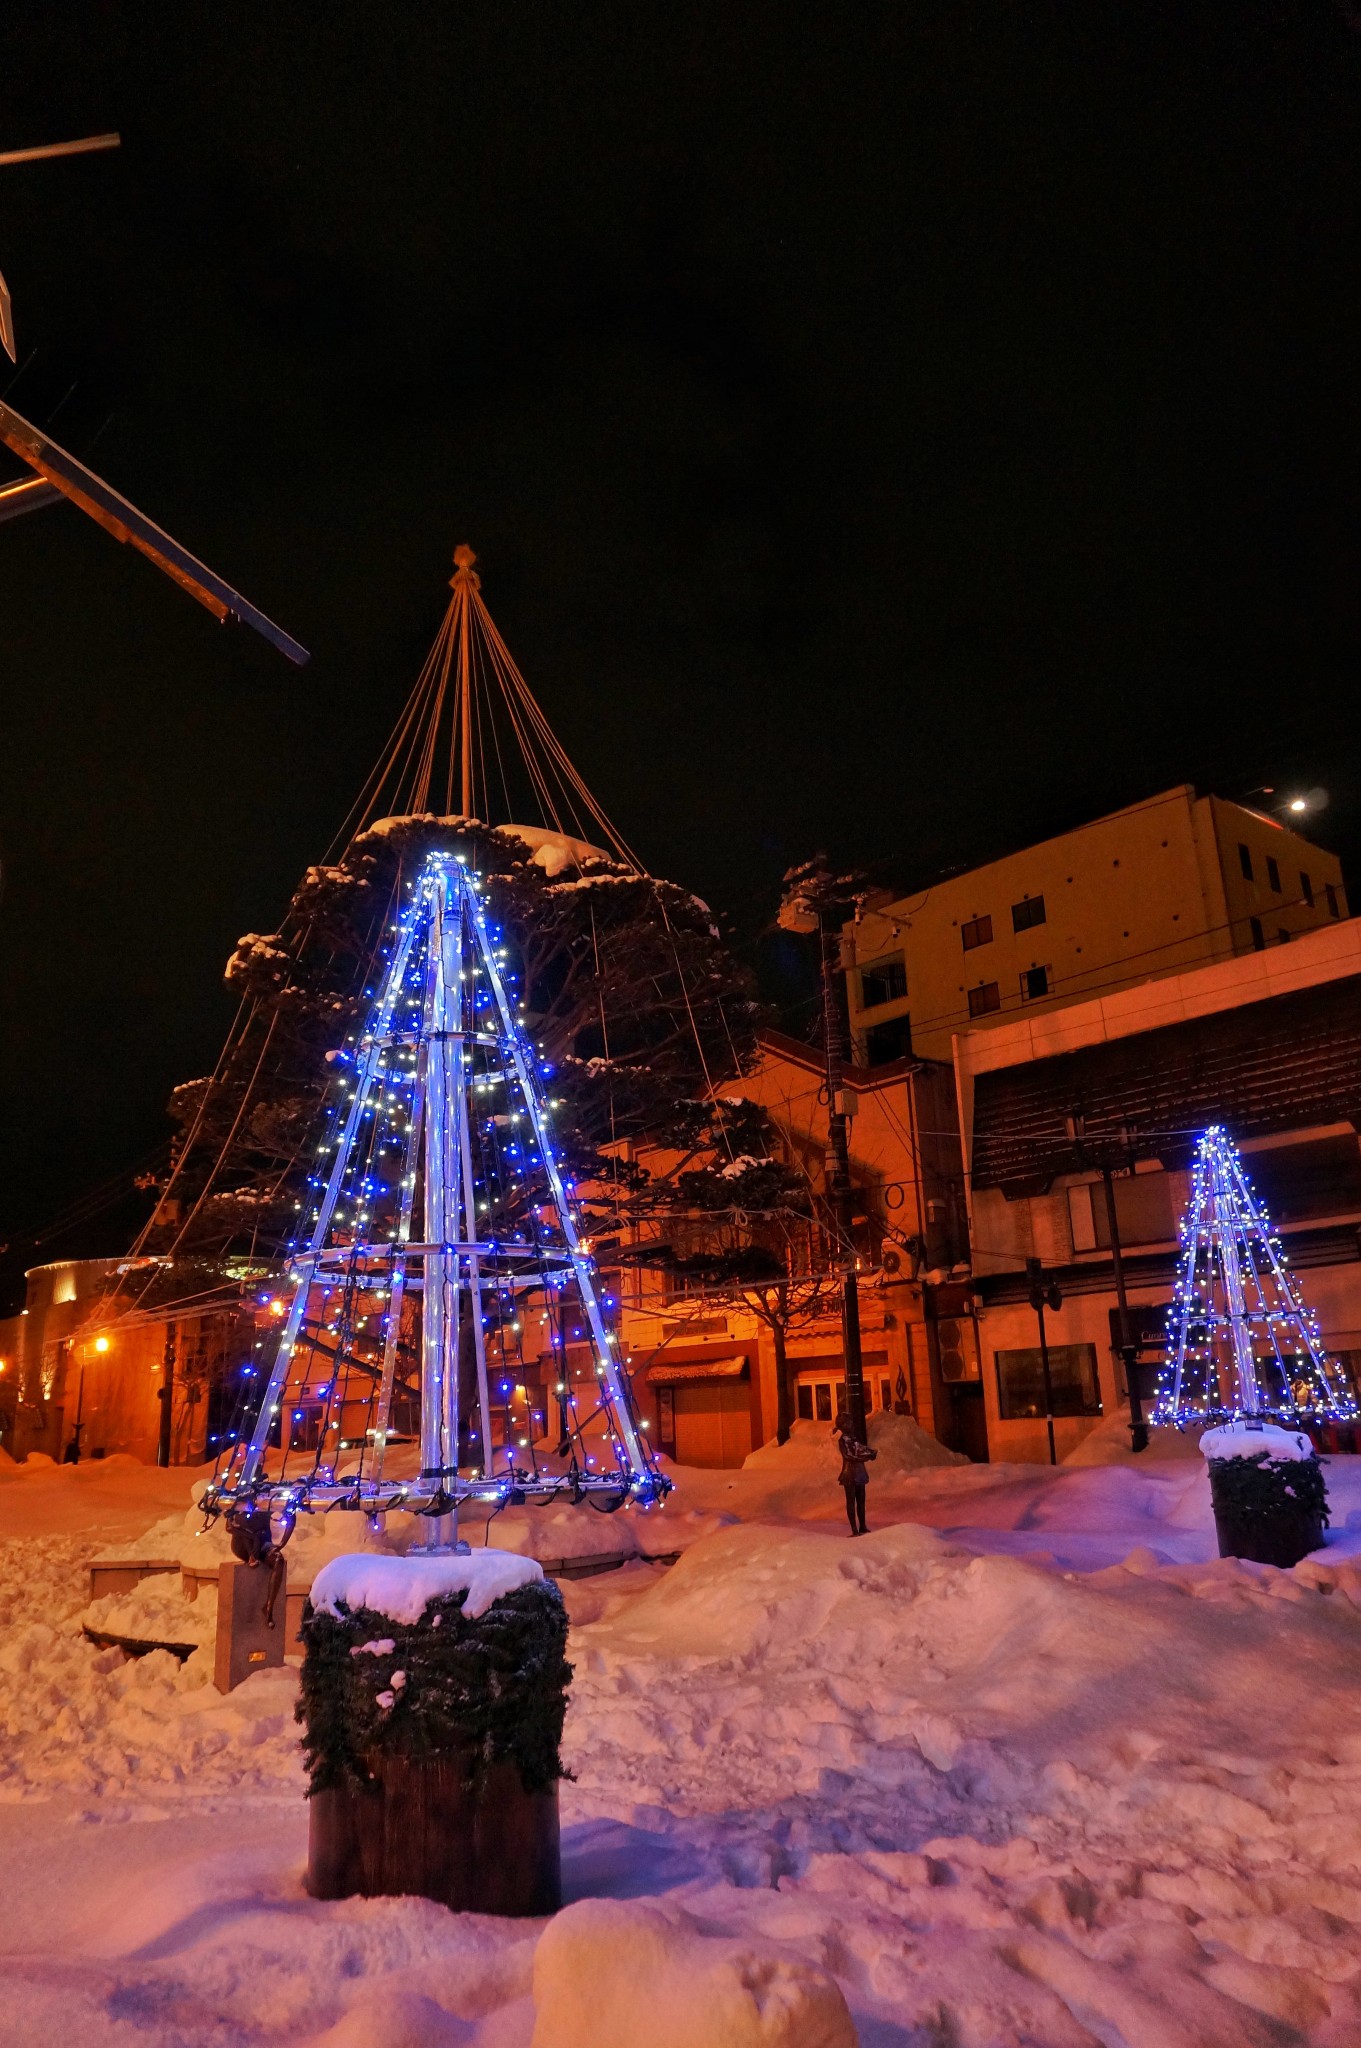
667 1374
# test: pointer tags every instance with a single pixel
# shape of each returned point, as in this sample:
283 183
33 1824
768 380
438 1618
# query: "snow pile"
155 1611
91 1722
1001 1804
554 852
1109 1444
403 1587
1047 1772
109 1500
900 1441
701 1992
1242 1440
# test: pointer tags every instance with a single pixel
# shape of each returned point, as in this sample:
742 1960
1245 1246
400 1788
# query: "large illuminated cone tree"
1244 1353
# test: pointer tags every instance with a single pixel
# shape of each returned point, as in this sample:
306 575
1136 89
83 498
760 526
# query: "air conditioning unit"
958 1355
892 1260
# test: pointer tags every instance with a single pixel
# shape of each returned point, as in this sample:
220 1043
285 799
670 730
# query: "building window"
1024 915
1306 889
1331 894
1072 1379
987 996
1258 935
884 981
977 932
805 1400
1273 873
1034 984
890 1041
1245 861
1282 935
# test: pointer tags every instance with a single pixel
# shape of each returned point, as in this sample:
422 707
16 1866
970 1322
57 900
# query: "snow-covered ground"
1027 1765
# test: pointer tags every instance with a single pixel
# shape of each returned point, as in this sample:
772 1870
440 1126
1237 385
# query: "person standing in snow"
854 1473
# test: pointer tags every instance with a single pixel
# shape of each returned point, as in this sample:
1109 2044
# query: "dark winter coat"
854 1470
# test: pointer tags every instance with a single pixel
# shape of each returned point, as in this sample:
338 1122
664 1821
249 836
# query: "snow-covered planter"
433 1696
1268 1493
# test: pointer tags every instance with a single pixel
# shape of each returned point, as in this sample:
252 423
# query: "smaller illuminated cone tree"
1241 1340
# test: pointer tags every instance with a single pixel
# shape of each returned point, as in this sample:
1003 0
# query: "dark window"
977 932
1331 894
1245 861
987 996
1321 1177
805 1404
1024 915
824 1402
1258 935
1306 889
890 1041
1034 983
1273 873
1143 1210
885 981
1282 935
1072 1376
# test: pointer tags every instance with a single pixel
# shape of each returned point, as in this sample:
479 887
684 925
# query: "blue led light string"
1224 1230
253 1458
638 1459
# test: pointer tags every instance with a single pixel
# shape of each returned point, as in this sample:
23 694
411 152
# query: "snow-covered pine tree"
628 988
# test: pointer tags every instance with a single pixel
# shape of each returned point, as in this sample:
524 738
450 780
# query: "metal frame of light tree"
422 1074
1235 1292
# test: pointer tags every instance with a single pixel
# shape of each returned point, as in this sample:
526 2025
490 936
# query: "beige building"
79 1374
1148 891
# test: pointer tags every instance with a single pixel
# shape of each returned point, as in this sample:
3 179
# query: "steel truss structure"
1242 1342
447 1099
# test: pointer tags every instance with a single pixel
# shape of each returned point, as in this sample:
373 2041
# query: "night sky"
911 429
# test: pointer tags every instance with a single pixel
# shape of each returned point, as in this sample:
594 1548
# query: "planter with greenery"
433 1696
1268 1493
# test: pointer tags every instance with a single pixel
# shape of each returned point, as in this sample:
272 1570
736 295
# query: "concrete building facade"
1148 891
1268 1044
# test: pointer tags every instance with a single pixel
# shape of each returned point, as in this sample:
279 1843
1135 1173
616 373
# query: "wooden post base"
245 1643
1281 1539
416 1827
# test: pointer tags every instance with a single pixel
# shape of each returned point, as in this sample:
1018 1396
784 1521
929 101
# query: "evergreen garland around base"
1263 1485
488 1690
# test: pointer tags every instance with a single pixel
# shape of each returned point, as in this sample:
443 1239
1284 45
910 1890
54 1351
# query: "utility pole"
816 901
1040 1295
839 1155
166 1396
1129 1350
